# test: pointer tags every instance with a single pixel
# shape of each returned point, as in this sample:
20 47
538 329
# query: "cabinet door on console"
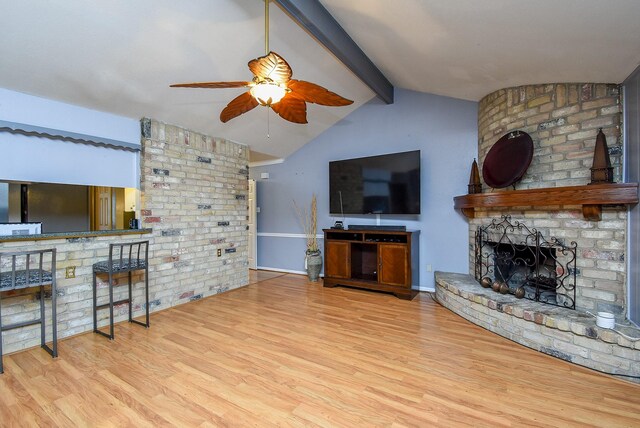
338 257
393 260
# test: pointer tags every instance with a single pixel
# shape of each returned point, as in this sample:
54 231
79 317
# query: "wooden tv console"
373 259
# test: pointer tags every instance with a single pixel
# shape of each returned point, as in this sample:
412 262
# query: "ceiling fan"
272 86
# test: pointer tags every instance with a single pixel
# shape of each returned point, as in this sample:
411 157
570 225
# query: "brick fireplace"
563 121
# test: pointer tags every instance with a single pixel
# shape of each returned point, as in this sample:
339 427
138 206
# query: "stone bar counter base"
571 335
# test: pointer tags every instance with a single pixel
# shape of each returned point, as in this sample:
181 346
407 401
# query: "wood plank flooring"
286 352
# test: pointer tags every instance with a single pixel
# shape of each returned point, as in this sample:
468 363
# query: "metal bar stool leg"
130 300
54 317
95 304
42 323
1 366
146 294
111 332
95 309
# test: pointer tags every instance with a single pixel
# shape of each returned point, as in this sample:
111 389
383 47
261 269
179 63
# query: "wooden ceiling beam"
314 18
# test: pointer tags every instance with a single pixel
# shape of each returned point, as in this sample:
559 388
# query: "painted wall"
22 108
60 207
632 156
15 212
36 159
27 158
444 129
4 202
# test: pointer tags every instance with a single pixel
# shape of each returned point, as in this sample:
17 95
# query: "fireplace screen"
511 258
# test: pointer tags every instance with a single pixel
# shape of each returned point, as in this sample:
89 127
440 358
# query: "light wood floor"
286 352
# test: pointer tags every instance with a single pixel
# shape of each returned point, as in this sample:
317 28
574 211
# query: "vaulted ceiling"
120 56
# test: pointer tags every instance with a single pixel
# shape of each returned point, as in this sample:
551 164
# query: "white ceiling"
469 48
120 56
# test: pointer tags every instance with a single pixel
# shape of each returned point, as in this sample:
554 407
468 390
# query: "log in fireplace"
512 258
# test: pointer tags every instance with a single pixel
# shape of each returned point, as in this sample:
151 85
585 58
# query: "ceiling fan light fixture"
267 93
272 86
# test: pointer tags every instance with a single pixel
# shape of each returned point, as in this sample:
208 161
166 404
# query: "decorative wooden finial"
474 179
601 170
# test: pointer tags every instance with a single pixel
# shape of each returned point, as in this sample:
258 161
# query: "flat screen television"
385 184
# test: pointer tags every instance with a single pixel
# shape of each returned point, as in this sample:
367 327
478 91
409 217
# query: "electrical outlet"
219 252
429 268
70 272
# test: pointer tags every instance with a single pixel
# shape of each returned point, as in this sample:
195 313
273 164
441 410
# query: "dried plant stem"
312 240
309 222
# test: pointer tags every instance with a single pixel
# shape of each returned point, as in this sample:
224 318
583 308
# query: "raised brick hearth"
563 333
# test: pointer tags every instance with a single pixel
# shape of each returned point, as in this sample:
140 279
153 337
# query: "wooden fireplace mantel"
591 197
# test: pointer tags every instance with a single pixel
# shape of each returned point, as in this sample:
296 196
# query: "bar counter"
71 235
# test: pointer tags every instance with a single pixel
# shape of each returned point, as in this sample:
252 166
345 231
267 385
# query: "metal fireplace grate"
511 258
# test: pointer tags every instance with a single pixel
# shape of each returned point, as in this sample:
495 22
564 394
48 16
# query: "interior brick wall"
563 120
194 196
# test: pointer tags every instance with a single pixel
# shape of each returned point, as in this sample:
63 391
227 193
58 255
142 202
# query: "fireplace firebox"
512 258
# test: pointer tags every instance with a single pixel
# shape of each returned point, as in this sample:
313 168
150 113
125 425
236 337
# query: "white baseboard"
286 235
299 272
430 289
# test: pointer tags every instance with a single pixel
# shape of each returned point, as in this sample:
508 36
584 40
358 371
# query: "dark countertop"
67 235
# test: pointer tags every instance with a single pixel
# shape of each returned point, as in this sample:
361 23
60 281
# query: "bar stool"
124 257
27 269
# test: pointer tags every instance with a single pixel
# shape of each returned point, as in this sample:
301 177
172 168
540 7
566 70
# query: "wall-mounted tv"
385 184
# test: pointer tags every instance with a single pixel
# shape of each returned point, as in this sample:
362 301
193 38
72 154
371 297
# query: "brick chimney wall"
563 120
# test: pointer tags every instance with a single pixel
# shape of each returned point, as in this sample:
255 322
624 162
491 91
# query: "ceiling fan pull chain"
268 124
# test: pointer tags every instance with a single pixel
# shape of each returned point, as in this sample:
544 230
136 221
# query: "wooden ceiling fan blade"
313 93
292 109
271 66
211 85
239 105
